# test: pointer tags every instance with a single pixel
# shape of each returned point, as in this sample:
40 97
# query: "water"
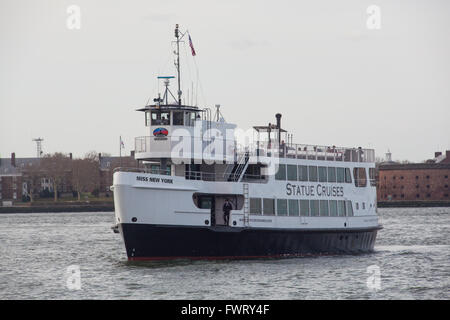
412 253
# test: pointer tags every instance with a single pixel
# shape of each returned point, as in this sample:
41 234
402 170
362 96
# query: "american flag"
192 46
121 143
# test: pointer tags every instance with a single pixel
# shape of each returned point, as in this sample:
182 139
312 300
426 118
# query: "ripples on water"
412 252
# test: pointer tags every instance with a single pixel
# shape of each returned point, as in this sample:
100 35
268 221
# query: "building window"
402 195
428 177
268 207
401 177
302 173
357 205
364 206
445 195
428 186
312 173
304 208
417 177
393 177
417 186
14 195
293 207
292 172
281 173
446 186
428 195
417 195
446 177
282 207
255 206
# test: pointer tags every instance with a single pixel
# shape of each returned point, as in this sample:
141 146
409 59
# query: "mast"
177 35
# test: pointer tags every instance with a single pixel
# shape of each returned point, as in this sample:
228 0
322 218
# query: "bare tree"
57 167
85 173
33 176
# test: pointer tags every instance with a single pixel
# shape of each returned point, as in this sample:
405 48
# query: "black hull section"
160 242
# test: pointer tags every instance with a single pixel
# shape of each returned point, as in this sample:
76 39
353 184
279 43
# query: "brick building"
427 181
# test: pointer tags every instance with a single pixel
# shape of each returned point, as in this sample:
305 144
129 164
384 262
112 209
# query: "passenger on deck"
226 211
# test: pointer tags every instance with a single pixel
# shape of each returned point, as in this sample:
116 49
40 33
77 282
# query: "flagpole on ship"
120 150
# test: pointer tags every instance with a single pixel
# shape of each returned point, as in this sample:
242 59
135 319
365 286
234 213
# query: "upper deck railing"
294 151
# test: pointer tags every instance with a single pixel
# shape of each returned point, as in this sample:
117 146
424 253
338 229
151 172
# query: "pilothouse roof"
169 107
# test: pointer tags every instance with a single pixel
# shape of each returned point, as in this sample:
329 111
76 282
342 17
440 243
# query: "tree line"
81 174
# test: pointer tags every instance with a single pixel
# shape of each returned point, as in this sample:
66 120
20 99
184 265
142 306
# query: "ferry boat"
286 199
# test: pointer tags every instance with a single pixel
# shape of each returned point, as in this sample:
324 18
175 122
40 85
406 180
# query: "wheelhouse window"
178 118
147 119
282 209
302 173
160 118
255 206
268 207
360 177
312 173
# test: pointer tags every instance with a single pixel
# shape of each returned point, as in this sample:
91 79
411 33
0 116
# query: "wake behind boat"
284 199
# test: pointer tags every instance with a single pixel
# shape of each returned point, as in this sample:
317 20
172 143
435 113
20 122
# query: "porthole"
134 219
207 222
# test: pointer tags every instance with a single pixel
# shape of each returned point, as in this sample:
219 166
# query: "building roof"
6 168
414 166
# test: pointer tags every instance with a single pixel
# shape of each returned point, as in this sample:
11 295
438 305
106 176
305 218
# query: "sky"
335 78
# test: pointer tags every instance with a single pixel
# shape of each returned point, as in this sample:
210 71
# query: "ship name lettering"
310 191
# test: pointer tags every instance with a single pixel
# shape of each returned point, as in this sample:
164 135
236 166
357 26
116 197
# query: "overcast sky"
335 81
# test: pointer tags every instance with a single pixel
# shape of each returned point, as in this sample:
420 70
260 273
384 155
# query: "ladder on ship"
246 205
239 168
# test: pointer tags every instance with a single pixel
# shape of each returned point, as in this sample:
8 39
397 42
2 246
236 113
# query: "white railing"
296 151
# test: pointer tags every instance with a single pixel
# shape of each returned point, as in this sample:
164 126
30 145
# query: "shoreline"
58 208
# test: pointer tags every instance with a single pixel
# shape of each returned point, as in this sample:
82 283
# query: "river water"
43 254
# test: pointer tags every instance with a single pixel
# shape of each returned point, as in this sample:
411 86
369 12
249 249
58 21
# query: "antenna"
39 146
218 114
177 63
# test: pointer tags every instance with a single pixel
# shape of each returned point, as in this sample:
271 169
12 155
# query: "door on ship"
208 202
